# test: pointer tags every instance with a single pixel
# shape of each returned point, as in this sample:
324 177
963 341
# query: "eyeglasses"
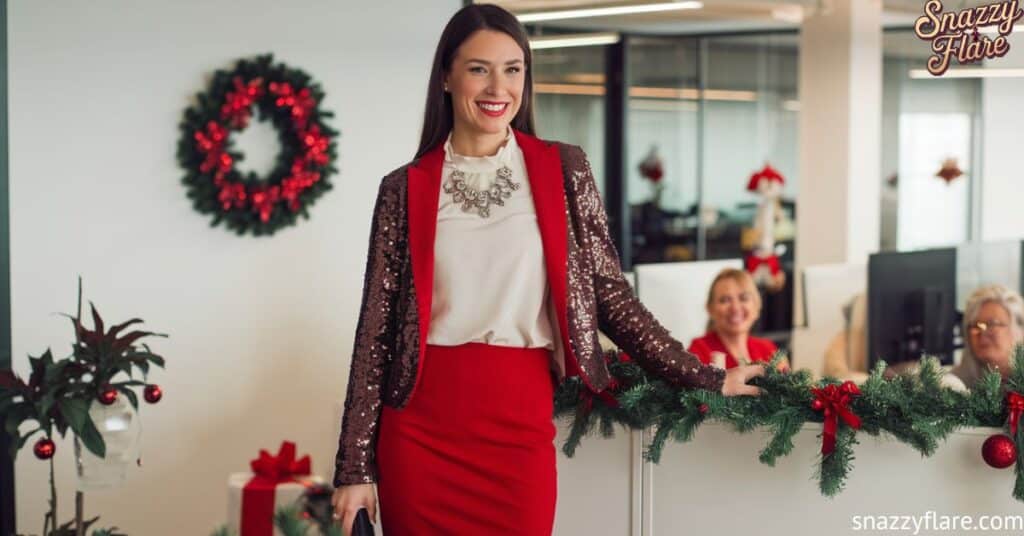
994 327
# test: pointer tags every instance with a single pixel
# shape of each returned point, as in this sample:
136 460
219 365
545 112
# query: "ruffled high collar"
479 163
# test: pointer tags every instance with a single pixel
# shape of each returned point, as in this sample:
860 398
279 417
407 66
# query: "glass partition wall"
704 113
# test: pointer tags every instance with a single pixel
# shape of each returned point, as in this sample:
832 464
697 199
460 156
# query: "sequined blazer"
588 293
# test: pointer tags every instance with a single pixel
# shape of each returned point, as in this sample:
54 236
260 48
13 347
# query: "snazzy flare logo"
956 34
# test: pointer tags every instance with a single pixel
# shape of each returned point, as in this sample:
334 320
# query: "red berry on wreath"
107 396
152 393
999 451
703 408
44 449
817 405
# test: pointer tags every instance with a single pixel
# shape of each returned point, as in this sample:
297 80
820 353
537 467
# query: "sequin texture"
385 359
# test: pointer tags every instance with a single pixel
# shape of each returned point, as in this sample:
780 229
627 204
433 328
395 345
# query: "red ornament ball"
107 396
999 451
152 393
703 408
817 405
44 449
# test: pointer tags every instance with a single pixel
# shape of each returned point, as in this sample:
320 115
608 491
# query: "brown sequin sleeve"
354 463
621 316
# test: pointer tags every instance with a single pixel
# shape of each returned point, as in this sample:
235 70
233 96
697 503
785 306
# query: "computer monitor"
911 305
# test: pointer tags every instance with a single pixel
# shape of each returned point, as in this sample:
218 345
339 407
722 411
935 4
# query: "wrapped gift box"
275 482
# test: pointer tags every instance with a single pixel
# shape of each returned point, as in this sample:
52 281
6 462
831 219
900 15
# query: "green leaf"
16 415
55 372
92 439
10 381
132 397
148 356
46 403
97 322
75 411
123 343
24 439
114 330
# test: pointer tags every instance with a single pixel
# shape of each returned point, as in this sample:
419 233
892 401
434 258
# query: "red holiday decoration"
258 494
766 173
949 171
834 400
651 168
290 101
44 449
999 451
237 107
771 261
1014 405
107 396
153 393
703 409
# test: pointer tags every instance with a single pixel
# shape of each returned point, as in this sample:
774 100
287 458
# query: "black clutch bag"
362 526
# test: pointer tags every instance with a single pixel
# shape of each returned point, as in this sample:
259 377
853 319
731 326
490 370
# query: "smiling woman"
733 306
478 301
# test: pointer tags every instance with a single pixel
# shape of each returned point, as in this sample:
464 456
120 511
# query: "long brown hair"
438 118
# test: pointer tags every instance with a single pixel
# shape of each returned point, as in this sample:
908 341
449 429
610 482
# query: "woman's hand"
736 379
347 501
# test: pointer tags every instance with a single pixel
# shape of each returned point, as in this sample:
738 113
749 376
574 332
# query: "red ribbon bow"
1015 403
258 494
834 400
771 261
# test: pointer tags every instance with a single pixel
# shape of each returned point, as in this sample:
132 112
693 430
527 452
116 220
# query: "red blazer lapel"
544 167
424 190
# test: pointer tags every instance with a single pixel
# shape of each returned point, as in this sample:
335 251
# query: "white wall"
261 329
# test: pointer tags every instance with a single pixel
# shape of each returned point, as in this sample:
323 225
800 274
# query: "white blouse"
490 283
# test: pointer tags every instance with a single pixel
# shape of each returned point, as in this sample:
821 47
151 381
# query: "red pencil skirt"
473 451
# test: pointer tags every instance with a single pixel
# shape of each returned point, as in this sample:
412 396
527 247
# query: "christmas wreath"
914 409
289 99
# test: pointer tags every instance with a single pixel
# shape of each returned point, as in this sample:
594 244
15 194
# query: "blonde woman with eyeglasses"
993 326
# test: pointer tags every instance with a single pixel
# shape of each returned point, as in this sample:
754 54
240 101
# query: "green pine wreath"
248 203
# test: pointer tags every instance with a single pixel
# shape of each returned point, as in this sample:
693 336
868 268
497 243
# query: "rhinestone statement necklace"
480 200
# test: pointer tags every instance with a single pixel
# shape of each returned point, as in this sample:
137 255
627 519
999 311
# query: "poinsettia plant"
58 393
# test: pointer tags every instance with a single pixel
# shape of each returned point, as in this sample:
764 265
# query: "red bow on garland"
1015 403
834 400
587 396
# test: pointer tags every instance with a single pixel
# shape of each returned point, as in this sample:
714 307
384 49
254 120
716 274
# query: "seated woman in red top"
733 306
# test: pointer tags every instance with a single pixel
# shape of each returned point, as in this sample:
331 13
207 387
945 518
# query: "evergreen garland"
912 408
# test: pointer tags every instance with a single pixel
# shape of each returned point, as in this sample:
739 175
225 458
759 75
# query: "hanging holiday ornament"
999 451
44 449
107 396
949 171
153 393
